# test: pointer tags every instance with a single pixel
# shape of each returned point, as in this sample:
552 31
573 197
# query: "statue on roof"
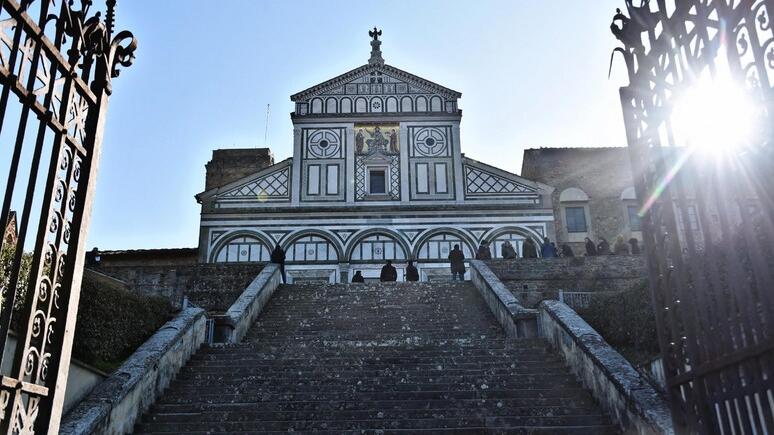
376 53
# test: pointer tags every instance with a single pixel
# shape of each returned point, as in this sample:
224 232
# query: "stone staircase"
377 358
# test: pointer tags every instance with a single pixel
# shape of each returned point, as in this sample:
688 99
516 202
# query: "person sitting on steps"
358 277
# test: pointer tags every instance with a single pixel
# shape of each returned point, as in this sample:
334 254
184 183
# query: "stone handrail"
516 320
622 391
233 326
114 405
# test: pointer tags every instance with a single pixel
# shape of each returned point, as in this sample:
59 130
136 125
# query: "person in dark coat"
278 257
530 250
412 274
388 272
507 251
484 253
457 259
358 277
591 248
567 251
635 246
548 250
603 248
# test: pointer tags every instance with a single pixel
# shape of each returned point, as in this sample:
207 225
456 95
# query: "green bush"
626 322
113 322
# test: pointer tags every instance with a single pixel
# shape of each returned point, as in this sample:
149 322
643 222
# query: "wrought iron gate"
57 60
707 218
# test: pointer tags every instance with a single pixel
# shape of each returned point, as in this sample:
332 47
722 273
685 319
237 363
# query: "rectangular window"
635 223
332 180
313 180
576 219
422 182
440 178
377 181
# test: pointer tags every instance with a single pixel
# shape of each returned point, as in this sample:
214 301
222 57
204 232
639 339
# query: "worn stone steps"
566 430
377 358
546 404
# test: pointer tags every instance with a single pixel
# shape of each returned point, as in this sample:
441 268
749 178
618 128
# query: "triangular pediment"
376 80
269 184
482 180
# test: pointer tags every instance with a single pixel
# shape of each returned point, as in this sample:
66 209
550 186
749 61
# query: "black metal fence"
708 198
57 60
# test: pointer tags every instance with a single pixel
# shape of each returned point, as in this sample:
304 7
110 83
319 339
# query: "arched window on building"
574 205
311 249
377 247
438 247
243 249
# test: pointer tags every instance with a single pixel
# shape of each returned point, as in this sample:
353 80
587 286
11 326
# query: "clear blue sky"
532 73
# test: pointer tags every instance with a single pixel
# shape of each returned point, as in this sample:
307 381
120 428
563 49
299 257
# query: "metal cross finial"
376 33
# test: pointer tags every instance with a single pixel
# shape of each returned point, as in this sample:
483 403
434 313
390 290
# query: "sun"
716 116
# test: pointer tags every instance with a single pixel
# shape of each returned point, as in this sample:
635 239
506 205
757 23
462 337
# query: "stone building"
377 173
593 192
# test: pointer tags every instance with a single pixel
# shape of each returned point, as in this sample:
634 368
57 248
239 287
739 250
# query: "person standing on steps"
389 273
635 244
603 248
412 274
591 248
278 257
530 250
358 277
548 250
457 259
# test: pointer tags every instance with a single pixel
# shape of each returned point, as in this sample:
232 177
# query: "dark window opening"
377 182
576 219
635 223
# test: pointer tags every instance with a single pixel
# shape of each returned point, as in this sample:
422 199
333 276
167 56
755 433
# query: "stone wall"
143 257
229 165
602 173
213 287
534 279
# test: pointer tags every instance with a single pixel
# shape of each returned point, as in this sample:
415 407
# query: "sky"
532 73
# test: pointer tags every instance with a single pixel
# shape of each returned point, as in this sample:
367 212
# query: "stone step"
566 430
217 373
245 415
333 423
545 403
317 395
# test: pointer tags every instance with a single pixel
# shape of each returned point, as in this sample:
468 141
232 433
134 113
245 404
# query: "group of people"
507 251
390 273
619 248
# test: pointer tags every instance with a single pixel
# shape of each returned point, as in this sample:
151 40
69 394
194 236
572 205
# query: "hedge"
113 322
626 321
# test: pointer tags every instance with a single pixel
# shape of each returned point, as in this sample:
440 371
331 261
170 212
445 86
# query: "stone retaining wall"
213 287
631 400
115 404
517 321
535 279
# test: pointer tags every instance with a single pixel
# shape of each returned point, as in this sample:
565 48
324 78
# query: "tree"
6 262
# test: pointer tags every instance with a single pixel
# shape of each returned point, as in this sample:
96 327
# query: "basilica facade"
377 174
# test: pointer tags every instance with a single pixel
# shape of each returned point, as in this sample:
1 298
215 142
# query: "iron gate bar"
31 398
713 303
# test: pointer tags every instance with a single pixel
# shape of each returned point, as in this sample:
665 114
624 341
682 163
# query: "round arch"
232 236
359 237
461 235
526 232
290 240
